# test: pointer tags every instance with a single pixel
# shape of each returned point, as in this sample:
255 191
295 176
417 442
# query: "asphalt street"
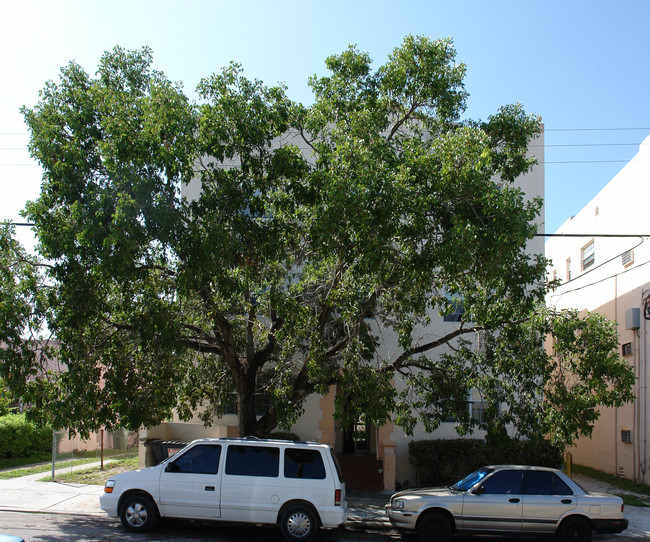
35 527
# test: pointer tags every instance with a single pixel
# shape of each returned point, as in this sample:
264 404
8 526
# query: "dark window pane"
303 464
540 483
560 486
200 459
505 482
253 461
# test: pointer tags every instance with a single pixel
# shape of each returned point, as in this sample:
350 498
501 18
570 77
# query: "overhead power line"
593 129
591 235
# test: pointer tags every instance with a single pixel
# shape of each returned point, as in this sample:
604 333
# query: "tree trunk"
246 405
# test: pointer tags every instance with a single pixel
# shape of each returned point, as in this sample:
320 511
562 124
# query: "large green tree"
252 245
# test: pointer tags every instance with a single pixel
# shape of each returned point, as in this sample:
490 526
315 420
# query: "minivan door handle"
514 500
209 488
566 501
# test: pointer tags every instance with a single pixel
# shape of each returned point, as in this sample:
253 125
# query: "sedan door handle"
566 501
209 488
514 500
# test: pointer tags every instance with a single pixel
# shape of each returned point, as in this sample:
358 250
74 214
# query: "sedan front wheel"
434 527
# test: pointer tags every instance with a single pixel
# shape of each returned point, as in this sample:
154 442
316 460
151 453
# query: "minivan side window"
200 459
253 461
303 464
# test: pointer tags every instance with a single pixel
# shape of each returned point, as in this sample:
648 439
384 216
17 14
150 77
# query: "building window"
455 315
568 269
588 256
626 349
627 258
262 404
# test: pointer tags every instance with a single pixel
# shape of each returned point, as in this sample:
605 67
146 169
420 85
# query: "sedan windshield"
471 479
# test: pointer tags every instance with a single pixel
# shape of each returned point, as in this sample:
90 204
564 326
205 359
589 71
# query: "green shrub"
444 462
20 438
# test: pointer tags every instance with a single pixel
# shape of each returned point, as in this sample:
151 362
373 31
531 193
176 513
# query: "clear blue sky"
584 66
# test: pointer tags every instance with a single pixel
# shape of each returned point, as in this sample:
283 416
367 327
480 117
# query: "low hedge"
20 438
444 462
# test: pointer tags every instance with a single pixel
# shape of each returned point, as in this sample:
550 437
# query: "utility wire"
592 129
560 294
591 235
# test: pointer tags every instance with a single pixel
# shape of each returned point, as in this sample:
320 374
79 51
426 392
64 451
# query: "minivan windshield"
471 479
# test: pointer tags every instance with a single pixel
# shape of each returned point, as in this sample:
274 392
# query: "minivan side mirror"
172 467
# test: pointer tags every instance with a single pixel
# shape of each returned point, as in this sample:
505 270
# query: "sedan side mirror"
479 490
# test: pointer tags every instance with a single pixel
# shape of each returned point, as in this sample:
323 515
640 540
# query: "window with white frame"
588 255
627 258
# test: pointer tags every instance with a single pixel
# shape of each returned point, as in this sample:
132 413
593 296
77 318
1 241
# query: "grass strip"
621 483
95 475
17 473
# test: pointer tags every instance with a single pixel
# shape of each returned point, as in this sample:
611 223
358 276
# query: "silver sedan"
512 499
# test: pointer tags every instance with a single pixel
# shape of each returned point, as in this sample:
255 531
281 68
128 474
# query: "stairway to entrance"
362 472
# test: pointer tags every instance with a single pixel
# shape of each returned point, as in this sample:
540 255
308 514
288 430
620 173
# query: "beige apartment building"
378 460
603 273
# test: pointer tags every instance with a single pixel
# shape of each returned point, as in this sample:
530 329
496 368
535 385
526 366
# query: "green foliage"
443 462
22 315
12 462
20 438
6 399
251 245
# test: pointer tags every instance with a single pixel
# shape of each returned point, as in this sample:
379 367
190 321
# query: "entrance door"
356 438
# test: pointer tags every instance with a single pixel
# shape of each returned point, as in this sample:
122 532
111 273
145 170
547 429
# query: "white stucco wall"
612 286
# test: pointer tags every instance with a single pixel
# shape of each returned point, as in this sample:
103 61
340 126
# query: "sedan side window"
540 483
200 459
546 483
505 482
561 488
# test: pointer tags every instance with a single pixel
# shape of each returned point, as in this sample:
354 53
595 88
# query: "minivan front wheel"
139 513
298 524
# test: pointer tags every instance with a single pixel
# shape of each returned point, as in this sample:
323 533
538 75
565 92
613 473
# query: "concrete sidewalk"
366 510
28 494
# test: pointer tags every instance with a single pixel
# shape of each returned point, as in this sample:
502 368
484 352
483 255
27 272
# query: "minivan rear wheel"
298 524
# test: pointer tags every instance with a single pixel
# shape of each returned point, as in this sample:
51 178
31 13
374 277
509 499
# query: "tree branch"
401 121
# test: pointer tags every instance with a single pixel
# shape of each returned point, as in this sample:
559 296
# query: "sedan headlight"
108 488
397 505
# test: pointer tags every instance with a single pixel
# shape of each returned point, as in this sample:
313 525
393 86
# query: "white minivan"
296 485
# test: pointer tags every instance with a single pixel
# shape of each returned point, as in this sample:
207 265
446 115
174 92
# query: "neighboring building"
379 460
120 439
610 275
